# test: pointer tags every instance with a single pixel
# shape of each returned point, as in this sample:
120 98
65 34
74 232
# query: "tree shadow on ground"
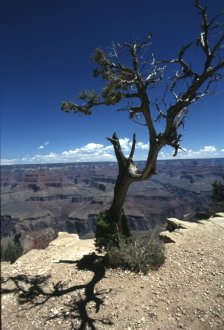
32 291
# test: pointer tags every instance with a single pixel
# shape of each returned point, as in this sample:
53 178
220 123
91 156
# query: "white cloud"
109 148
142 146
87 153
91 147
46 143
209 149
99 152
9 161
205 152
125 144
51 157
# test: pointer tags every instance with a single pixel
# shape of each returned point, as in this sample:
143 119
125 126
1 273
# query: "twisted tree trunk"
132 82
116 212
128 173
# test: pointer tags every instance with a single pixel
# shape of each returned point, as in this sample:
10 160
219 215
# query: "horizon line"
107 161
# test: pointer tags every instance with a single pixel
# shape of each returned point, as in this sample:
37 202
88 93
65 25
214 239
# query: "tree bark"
128 173
116 212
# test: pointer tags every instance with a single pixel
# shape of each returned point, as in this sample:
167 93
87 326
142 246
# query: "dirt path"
52 289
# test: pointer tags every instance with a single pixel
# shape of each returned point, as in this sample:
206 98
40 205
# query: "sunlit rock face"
176 229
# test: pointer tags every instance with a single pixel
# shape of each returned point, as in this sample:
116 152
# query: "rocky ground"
58 288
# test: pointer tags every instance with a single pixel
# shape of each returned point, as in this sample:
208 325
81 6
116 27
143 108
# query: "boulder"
219 214
175 230
173 224
167 237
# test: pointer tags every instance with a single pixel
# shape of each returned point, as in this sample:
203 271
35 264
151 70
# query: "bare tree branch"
161 114
118 152
133 146
138 122
185 87
132 84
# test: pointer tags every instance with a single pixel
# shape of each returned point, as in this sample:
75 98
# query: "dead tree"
133 82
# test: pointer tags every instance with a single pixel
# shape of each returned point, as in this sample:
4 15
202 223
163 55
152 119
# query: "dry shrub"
139 254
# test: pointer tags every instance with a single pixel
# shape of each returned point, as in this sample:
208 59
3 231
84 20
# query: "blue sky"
45 59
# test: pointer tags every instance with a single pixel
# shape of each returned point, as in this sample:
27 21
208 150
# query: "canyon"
41 200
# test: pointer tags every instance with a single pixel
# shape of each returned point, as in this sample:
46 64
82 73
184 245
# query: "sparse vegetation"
34 187
218 191
217 196
11 252
106 234
139 254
